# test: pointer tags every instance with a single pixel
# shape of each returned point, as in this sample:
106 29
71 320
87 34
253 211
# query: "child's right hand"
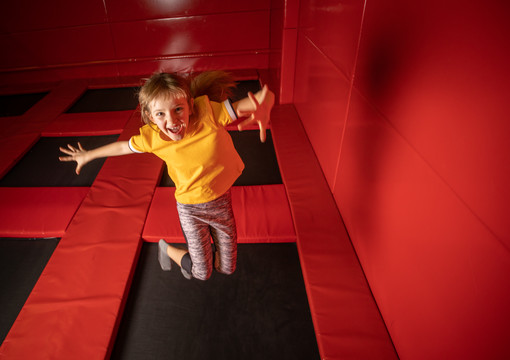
78 154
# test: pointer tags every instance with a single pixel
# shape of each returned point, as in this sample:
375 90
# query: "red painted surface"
104 38
119 10
406 107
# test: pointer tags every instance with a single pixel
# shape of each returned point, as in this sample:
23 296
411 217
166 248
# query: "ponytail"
217 85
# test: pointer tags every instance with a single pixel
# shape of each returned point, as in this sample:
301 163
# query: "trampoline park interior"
373 223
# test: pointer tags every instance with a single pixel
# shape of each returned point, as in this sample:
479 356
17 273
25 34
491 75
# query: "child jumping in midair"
184 120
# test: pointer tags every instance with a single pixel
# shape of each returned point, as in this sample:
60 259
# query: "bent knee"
226 271
202 275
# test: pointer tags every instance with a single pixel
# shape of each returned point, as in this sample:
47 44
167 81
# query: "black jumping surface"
243 87
101 100
21 263
18 104
259 312
41 167
260 163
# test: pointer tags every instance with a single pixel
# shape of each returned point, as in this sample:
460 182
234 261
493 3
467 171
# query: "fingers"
244 123
253 100
262 132
264 92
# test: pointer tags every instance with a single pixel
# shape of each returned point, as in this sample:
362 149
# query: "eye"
159 114
179 109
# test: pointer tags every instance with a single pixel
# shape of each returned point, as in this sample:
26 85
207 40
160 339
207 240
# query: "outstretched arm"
258 109
82 156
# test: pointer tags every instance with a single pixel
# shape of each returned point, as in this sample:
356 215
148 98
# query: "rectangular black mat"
21 263
16 105
242 88
101 100
259 312
260 163
41 167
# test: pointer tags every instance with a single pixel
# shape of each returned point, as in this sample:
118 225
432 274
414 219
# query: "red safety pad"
18 139
347 321
83 124
38 212
262 215
74 309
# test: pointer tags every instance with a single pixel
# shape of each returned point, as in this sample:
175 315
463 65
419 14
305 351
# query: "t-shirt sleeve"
224 112
136 143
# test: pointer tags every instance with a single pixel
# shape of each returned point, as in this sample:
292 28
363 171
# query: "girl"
184 126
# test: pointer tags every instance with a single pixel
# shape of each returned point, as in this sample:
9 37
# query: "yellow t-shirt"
204 164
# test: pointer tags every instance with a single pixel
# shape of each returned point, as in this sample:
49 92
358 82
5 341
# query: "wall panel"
334 28
194 34
28 15
58 46
95 38
321 95
440 77
423 171
129 10
437 273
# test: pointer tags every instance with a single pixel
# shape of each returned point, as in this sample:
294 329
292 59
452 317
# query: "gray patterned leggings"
200 222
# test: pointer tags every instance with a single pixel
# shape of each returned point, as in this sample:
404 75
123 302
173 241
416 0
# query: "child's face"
171 115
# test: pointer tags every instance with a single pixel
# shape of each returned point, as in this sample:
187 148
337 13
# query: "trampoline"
21 262
259 312
105 259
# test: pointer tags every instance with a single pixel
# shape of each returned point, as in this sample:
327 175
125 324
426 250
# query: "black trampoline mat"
41 167
101 100
260 163
16 105
21 263
242 88
259 312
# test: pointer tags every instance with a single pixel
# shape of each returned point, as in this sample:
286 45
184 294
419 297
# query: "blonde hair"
217 85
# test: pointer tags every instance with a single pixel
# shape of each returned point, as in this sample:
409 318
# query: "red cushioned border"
19 139
262 215
82 124
346 318
38 212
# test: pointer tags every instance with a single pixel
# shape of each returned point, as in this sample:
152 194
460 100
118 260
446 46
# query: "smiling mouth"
175 129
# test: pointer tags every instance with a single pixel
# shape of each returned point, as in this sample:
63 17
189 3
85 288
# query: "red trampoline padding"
15 143
75 307
347 321
83 124
38 212
262 215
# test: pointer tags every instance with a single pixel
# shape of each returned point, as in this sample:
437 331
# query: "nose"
172 119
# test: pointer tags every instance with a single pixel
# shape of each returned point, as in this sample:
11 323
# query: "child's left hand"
260 111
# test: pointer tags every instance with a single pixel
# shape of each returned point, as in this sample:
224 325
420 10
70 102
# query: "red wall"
406 105
57 39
